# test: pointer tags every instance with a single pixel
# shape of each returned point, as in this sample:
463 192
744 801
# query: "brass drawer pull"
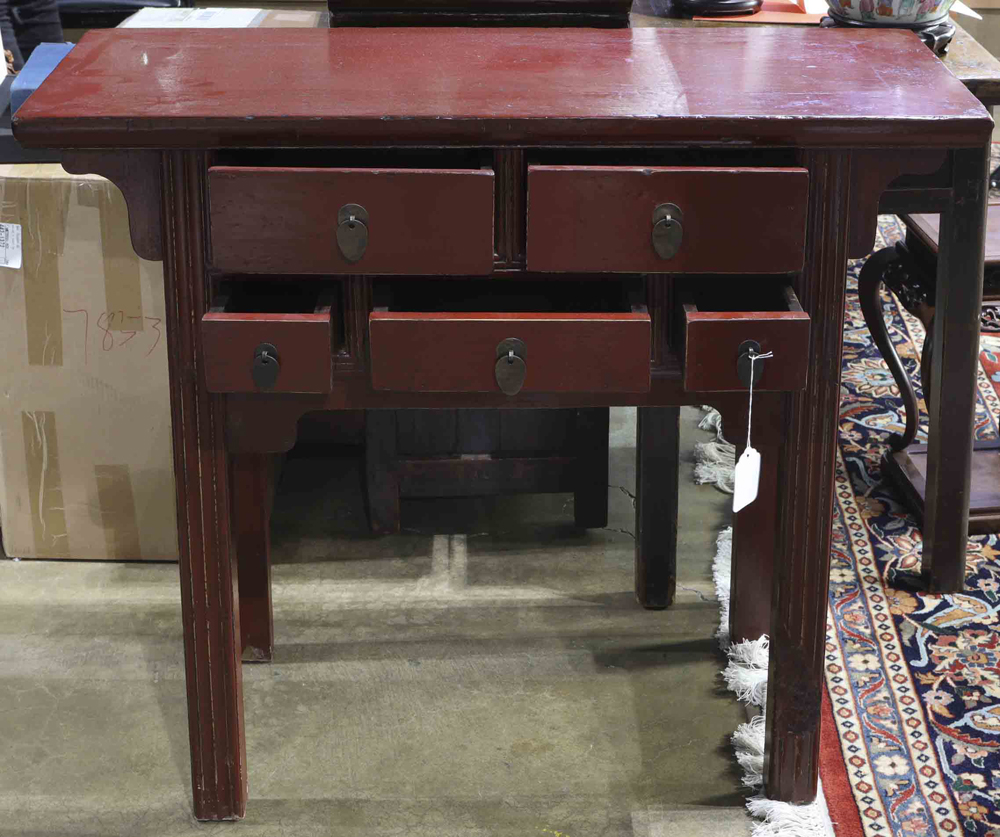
266 366
352 231
511 368
668 230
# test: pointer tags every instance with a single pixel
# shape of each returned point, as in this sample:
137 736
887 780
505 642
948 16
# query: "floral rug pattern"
914 678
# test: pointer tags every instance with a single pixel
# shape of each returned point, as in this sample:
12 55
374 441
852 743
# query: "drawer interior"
741 294
290 299
286 297
473 295
270 299
725 298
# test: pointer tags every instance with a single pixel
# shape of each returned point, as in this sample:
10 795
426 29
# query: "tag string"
753 357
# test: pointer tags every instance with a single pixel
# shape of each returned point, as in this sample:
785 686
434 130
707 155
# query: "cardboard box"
225 18
85 445
86 469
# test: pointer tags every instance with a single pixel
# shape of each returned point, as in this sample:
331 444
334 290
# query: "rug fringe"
722 574
748 741
780 819
713 465
712 420
714 461
746 675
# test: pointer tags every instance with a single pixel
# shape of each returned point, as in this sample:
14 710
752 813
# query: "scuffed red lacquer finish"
191 88
456 352
284 220
600 218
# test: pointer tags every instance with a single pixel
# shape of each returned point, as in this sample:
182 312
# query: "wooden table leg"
806 482
381 483
252 501
656 466
590 495
954 368
209 600
755 527
870 282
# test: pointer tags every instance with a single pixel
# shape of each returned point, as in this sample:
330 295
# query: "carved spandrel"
138 174
872 170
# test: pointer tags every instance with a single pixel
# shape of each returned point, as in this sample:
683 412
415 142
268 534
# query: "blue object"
43 61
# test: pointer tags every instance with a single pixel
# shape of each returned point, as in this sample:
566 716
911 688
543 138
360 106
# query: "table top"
793 86
975 66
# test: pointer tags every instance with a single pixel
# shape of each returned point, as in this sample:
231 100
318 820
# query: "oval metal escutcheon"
510 368
668 230
352 231
744 365
266 366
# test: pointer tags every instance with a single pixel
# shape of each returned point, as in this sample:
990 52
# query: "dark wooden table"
653 205
972 64
909 269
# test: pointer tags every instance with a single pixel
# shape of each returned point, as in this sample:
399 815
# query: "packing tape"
41 453
122 289
117 504
43 220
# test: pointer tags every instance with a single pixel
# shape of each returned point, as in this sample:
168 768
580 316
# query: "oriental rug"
913 678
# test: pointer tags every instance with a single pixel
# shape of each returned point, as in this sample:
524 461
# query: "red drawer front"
284 220
303 343
456 352
712 343
600 219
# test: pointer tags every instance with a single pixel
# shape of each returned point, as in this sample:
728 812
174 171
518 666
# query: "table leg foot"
590 495
381 482
656 469
252 500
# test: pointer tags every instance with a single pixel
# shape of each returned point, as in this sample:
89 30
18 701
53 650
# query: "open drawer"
270 338
720 316
479 335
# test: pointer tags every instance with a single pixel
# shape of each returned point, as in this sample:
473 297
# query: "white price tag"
746 479
10 245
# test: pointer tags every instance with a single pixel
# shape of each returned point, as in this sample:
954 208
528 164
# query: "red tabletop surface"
205 88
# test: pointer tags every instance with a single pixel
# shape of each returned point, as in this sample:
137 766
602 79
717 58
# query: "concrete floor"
485 673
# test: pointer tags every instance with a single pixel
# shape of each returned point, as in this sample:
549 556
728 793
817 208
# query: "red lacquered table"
460 218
